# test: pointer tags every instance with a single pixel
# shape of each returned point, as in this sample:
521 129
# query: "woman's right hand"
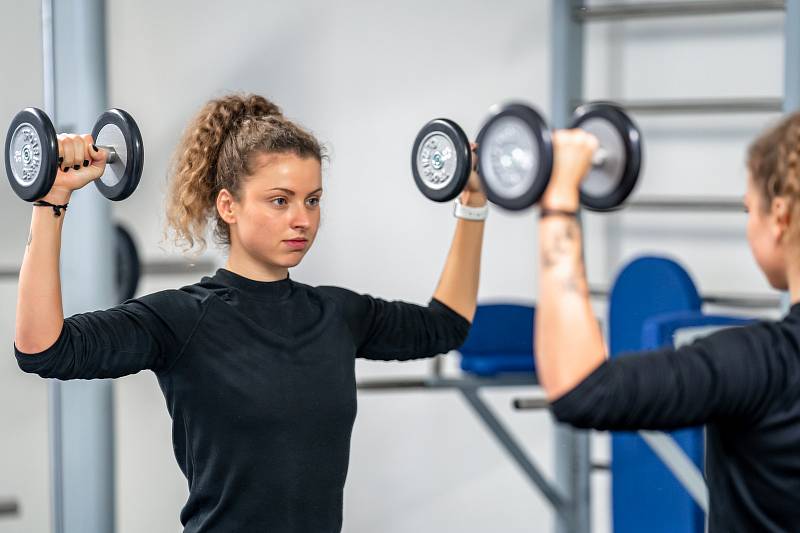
79 163
572 160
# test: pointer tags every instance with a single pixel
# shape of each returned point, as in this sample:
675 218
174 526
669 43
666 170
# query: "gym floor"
364 77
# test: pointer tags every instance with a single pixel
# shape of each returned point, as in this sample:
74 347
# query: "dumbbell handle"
112 153
599 157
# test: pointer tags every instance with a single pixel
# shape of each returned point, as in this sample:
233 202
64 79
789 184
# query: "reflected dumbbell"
31 154
515 155
441 160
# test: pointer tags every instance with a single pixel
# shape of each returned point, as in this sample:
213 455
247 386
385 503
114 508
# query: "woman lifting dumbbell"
742 383
257 369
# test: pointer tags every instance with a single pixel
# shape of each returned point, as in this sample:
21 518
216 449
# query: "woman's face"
277 215
764 234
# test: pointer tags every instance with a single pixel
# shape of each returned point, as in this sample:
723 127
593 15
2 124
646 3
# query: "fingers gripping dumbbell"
31 154
515 155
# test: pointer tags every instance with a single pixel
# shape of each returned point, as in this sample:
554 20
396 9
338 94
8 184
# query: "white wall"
365 76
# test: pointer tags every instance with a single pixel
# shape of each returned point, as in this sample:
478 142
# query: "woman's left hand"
473 194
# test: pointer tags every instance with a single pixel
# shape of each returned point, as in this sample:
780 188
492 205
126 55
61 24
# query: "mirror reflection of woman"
742 383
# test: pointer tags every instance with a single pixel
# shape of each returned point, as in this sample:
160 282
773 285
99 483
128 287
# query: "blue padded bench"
651 299
500 340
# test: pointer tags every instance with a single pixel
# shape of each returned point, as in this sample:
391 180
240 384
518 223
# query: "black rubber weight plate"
515 156
31 154
128 266
608 186
117 128
441 160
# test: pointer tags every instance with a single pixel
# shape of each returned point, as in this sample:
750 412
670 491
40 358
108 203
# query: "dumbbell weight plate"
612 180
441 160
31 154
515 156
127 263
117 129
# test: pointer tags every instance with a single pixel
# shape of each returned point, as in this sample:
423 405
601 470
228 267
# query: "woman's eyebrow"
290 192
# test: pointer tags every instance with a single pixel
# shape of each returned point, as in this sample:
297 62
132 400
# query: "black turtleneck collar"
258 289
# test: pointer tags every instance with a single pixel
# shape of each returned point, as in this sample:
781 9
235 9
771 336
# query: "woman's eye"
280 202
313 202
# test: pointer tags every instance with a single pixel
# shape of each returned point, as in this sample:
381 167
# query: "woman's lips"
296 244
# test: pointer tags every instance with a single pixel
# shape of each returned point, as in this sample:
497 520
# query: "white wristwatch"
469 213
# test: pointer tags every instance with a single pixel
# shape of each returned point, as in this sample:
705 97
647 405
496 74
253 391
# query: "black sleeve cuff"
38 363
577 406
462 324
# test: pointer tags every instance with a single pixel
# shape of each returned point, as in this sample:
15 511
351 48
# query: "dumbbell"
441 160
31 154
515 155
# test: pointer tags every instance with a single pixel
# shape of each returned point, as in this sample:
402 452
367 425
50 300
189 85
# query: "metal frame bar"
756 104
744 301
9 508
552 493
469 387
667 203
662 444
681 466
675 9
150 268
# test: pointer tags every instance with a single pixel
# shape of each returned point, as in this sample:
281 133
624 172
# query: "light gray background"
365 76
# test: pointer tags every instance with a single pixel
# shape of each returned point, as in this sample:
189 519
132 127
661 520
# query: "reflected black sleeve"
733 373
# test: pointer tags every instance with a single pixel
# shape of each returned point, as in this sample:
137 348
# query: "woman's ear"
781 216
226 206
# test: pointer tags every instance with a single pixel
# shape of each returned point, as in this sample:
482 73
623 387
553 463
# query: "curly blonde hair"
217 152
774 163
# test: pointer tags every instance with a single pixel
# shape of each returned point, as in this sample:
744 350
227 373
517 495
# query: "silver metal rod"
530 403
9 507
171 268
112 153
151 268
503 380
553 495
675 9
756 104
393 384
743 301
666 203
681 466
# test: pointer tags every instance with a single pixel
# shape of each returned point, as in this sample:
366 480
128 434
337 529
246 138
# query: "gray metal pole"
81 415
791 97
54 396
791 77
572 446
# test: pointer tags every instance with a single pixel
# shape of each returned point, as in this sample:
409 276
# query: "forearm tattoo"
562 254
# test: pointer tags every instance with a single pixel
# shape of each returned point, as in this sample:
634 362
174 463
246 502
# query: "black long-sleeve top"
259 381
744 384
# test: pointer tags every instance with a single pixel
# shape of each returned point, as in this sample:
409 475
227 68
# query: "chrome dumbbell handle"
112 153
